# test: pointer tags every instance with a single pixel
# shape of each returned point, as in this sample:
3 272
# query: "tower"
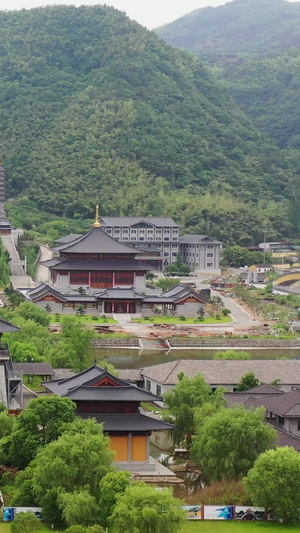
5 226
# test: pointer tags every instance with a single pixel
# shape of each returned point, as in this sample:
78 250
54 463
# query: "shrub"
232 492
200 319
226 312
95 318
25 523
182 318
104 317
218 317
76 529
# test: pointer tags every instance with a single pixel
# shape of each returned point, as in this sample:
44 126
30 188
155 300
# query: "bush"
232 492
226 312
76 529
200 319
25 523
95 318
182 318
218 317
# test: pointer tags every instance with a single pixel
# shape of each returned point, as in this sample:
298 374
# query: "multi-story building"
151 233
200 252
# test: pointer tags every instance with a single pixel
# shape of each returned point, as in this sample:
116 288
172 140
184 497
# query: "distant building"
276 246
150 233
5 226
11 388
200 252
218 373
256 274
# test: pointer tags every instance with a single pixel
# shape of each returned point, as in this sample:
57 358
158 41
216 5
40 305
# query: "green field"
176 320
208 527
236 527
87 319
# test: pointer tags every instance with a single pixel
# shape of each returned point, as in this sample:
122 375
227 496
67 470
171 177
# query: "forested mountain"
93 107
255 46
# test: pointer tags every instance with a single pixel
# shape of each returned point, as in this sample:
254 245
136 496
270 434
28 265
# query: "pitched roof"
95 241
8 327
35 369
287 404
99 264
189 238
226 372
44 290
69 238
125 393
130 221
264 388
120 294
287 439
129 422
61 386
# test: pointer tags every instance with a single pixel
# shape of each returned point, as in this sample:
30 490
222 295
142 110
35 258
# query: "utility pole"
264 232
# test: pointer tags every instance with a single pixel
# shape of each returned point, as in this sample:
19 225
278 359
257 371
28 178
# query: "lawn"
235 527
34 383
176 320
87 319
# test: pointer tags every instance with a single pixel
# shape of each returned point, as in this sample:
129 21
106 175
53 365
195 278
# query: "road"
42 272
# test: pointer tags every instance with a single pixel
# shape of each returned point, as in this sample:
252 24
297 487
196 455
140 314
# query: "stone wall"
235 343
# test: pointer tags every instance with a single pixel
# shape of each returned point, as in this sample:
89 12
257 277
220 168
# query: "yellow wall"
288 277
120 445
284 254
139 448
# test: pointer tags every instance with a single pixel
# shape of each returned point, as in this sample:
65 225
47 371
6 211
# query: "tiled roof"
99 264
35 369
226 372
130 221
189 238
69 238
61 386
287 404
287 439
264 388
129 393
130 374
43 290
8 327
135 422
96 241
121 294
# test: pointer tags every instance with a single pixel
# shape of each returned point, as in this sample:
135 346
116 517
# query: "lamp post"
264 232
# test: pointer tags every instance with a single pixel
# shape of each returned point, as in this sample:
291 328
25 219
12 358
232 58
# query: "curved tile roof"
96 241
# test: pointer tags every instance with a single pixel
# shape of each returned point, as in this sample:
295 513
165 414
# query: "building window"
281 420
166 238
158 390
148 385
210 246
210 254
141 238
174 254
209 265
125 278
298 425
78 278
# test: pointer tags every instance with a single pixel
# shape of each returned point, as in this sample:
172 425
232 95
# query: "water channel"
129 358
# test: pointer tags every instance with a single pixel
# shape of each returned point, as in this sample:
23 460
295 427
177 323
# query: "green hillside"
255 46
93 107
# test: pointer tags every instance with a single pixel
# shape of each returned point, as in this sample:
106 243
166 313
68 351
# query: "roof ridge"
173 370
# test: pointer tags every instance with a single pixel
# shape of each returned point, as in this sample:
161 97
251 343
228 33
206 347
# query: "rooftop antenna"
97 223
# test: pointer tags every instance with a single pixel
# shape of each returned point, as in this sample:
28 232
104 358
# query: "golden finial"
97 223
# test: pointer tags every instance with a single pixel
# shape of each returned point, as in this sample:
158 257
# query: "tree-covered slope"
236 28
94 107
255 46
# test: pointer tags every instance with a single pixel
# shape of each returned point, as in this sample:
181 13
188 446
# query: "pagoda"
116 404
5 226
97 261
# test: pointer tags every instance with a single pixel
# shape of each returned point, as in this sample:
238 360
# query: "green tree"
144 509
30 311
182 401
230 440
237 256
216 305
76 343
79 507
76 462
179 267
25 523
112 486
42 422
248 381
231 355
6 424
274 482
167 283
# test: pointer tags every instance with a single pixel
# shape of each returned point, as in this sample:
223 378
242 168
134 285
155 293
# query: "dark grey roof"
131 221
62 386
8 327
127 393
287 404
135 422
96 241
130 374
99 264
69 238
80 298
189 238
43 290
180 292
120 294
287 439
51 262
35 369
264 388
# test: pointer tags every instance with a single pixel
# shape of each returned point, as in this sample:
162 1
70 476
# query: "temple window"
78 278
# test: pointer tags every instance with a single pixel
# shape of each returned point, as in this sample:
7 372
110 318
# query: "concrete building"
201 252
158 379
151 233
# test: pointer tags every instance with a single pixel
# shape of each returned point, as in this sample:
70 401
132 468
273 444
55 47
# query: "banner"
218 512
9 513
193 512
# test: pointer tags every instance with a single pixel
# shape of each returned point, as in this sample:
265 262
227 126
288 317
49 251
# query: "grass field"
236 527
208 527
176 320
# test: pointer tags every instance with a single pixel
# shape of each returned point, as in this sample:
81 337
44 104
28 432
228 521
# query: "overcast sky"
150 13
